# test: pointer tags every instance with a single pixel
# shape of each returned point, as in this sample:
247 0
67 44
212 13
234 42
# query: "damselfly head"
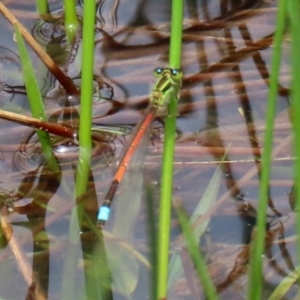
176 73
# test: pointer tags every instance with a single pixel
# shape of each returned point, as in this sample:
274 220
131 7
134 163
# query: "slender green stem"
176 35
294 15
85 133
43 7
85 125
152 241
257 249
85 143
71 20
168 157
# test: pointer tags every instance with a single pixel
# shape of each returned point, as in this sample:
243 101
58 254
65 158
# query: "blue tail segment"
104 211
103 214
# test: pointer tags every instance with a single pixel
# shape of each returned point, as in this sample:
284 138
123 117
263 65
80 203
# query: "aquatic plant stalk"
168 157
294 17
71 20
85 125
258 244
85 143
35 100
49 127
42 7
152 237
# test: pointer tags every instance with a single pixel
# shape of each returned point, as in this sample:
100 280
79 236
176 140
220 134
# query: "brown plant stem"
21 258
50 127
64 80
53 128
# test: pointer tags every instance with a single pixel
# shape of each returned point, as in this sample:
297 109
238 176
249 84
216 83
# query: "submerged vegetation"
231 187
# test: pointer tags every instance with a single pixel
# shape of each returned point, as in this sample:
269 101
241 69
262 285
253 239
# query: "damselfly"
168 82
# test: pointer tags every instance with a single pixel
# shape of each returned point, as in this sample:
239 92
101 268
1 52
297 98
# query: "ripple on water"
66 150
11 81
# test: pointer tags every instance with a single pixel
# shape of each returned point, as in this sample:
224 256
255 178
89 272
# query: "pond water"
226 54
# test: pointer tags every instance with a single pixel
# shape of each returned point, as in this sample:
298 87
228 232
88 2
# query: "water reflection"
226 62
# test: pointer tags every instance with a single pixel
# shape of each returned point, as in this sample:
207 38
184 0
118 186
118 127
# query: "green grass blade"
32 89
35 99
258 244
285 285
196 256
168 156
206 202
294 15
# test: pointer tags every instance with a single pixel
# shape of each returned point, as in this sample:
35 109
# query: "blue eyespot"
158 71
175 72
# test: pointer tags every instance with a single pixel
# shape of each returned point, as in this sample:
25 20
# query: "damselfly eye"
176 73
158 72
